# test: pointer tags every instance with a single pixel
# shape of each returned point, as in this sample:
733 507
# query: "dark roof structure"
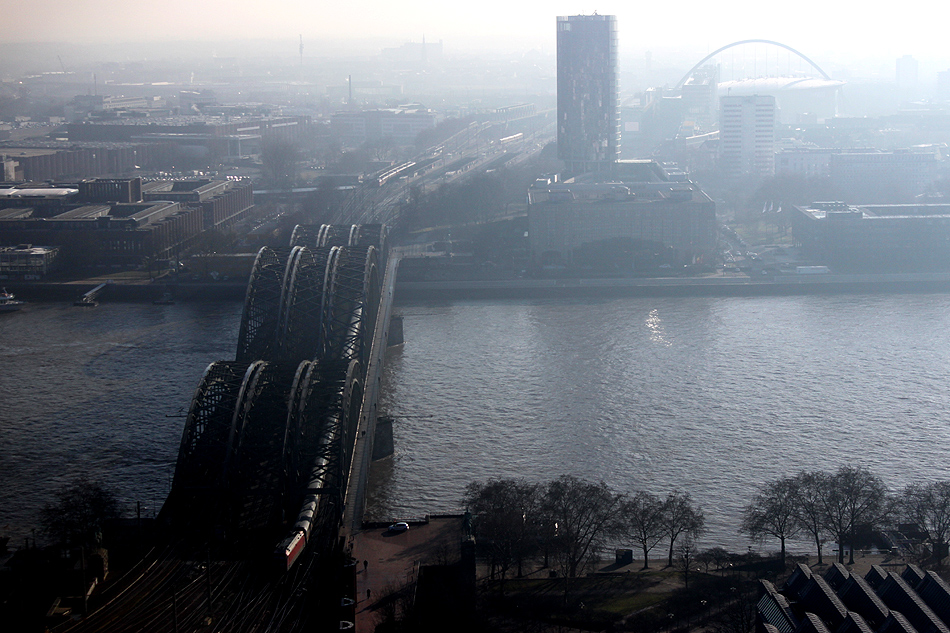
819 598
774 610
837 575
858 596
875 576
913 575
936 593
899 596
896 623
811 623
854 623
797 580
912 601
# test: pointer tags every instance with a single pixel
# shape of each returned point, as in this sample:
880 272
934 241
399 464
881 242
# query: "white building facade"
747 128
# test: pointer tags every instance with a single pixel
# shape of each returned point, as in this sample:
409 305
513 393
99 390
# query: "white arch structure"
740 43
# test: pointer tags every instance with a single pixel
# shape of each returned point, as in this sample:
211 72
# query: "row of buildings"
121 146
118 222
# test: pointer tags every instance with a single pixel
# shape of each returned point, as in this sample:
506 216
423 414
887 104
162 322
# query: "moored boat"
9 303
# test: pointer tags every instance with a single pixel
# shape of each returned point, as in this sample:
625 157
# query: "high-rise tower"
588 101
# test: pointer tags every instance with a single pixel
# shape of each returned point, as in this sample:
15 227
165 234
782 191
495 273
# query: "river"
710 396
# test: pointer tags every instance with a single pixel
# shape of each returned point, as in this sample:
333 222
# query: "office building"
873 176
637 218
747 135
588 104
874 238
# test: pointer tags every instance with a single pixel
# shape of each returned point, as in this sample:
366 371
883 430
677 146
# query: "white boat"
8 302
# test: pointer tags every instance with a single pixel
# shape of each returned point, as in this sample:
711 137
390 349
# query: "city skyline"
824 30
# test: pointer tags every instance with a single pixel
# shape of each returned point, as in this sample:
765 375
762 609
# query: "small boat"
8 302
85 303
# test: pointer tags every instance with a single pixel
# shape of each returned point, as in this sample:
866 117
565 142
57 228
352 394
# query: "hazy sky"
816 27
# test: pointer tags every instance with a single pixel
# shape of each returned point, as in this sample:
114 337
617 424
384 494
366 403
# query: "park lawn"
593 601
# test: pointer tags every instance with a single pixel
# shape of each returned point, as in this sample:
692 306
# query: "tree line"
567 521
843 506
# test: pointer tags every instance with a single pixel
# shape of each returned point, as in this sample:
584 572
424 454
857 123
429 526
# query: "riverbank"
128 292
674 286
721 286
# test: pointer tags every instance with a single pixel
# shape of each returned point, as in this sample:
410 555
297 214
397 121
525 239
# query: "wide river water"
710 396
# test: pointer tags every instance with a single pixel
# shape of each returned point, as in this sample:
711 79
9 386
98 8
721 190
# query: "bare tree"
854 497
738 614
81 509
583 514
772 512
680 517
810 488
687 556
928 505
643 514
506 515
717 556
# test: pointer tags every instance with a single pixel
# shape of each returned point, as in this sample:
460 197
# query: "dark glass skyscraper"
588 100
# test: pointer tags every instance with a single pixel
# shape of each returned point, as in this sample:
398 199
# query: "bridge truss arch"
261 306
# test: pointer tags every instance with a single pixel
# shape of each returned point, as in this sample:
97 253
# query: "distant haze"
835 31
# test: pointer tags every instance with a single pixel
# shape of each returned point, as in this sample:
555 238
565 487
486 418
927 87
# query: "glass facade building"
588 101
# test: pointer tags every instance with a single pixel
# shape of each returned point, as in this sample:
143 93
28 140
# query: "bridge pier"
395 332
383 445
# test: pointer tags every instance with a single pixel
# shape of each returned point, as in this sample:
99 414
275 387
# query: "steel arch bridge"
742 43
309 315
252 522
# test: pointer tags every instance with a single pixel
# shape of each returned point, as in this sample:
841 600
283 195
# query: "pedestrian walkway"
387 562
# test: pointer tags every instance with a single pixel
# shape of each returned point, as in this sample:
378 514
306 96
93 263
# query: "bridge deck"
363 452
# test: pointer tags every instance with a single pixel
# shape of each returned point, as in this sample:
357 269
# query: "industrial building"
862 176
39 160
400 125
588 93
195 137
222 202
875 238
120 222
637 209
